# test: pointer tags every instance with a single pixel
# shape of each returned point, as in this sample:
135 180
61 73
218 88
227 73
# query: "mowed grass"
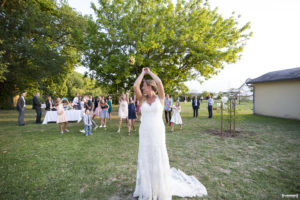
37 162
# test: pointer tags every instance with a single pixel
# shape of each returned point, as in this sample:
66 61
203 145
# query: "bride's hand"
146 70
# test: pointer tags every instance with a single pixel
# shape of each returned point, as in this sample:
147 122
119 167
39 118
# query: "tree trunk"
8 101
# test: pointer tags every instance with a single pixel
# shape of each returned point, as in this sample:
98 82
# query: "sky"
275 44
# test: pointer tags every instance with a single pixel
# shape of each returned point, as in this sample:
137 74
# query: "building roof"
281 75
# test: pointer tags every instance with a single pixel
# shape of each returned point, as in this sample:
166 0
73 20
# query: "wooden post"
230 102
234 104
221 118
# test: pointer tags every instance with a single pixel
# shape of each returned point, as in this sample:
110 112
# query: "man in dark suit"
37 106
196 105
21 104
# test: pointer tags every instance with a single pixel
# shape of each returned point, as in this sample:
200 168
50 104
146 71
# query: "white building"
277 94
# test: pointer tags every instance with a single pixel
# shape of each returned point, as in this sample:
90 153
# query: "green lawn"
262 162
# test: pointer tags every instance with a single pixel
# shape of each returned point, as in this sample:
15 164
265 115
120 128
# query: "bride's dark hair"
151 83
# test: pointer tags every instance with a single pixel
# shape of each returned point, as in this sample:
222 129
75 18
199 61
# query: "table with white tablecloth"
71 115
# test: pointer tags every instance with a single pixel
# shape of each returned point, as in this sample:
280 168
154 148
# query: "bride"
155 179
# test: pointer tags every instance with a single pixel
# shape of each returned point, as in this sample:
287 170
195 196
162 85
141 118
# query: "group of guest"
90 108
196 106
21 107
175 118
129 110
100 107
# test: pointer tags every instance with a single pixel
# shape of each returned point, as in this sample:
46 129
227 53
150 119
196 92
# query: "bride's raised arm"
160 87
137 84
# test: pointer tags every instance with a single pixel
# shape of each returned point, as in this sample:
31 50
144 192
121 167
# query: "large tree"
178 42
77 83
39 45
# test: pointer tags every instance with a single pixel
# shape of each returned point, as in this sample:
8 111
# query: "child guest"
87 123
176 118
61 117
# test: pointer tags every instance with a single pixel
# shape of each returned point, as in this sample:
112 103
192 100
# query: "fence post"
221 118
234 104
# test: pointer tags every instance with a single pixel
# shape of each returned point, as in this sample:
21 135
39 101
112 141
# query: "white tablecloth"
71 115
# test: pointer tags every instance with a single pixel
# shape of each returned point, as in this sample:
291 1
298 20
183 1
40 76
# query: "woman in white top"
61 116
123 109
155 179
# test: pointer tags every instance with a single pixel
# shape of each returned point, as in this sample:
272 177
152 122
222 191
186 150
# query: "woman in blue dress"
109 102
131 115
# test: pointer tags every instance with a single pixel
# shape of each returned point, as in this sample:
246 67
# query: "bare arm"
137 84
160 87
127 97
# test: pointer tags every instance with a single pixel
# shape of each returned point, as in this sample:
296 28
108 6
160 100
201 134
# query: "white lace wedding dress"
155 179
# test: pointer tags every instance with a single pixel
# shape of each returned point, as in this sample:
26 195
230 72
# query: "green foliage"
73 83
178 42
220 95
205 94
39 45
3 65
77 83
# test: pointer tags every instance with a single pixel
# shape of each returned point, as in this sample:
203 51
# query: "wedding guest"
201 98
168 108
89 106
81 103
76 102
91 102
87 103
87 121
109 102
65 103
176 118
210 103
49 104
138 111
103 113
196 105
131 115
95 103
36 104
61 116
97 111
21 107
123 109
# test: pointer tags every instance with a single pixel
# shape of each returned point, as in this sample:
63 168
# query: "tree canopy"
39 45
178 42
